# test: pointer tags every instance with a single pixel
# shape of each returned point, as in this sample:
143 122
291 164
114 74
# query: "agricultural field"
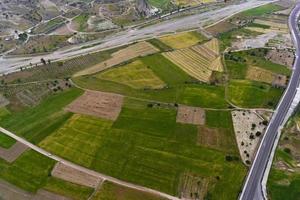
30 172
111 191
121 56
182 40
198 61
180 87
44 118
250 94
135 75
5 141
147 136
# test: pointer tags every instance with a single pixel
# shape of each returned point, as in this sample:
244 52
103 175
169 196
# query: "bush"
150 105
287 150
258 133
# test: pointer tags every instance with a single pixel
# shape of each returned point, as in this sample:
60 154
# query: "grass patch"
6 141
262 10
283 186
68 189
111 191
162 4
250 94
218 119
236 70
81 21
29 172
38 122
161 46
166 70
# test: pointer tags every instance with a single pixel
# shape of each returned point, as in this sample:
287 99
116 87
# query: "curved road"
253 189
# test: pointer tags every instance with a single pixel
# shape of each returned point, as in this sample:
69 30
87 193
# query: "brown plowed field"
99 104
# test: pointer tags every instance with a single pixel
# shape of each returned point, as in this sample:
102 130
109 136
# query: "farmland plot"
133 51
98 104
198 61
135 75
182 40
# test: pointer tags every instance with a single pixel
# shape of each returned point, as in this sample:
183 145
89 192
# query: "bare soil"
210 137
190 115
12 153
281 56
3 101
247 125
98 104
75 176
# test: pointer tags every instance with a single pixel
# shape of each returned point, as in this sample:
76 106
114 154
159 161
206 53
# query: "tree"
43 61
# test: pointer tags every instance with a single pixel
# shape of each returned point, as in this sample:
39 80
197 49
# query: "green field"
251 94
31 171
38 122
5 141
282 185
145 146
162 4
262 10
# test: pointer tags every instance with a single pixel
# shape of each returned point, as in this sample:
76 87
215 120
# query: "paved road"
9 64
253 186
83 169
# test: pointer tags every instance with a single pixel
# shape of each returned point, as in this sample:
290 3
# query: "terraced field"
198 61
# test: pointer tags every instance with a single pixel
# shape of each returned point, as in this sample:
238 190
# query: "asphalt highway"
253 185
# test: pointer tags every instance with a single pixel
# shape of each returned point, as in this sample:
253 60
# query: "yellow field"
182 40
198 61
259 74
135 75
133 51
